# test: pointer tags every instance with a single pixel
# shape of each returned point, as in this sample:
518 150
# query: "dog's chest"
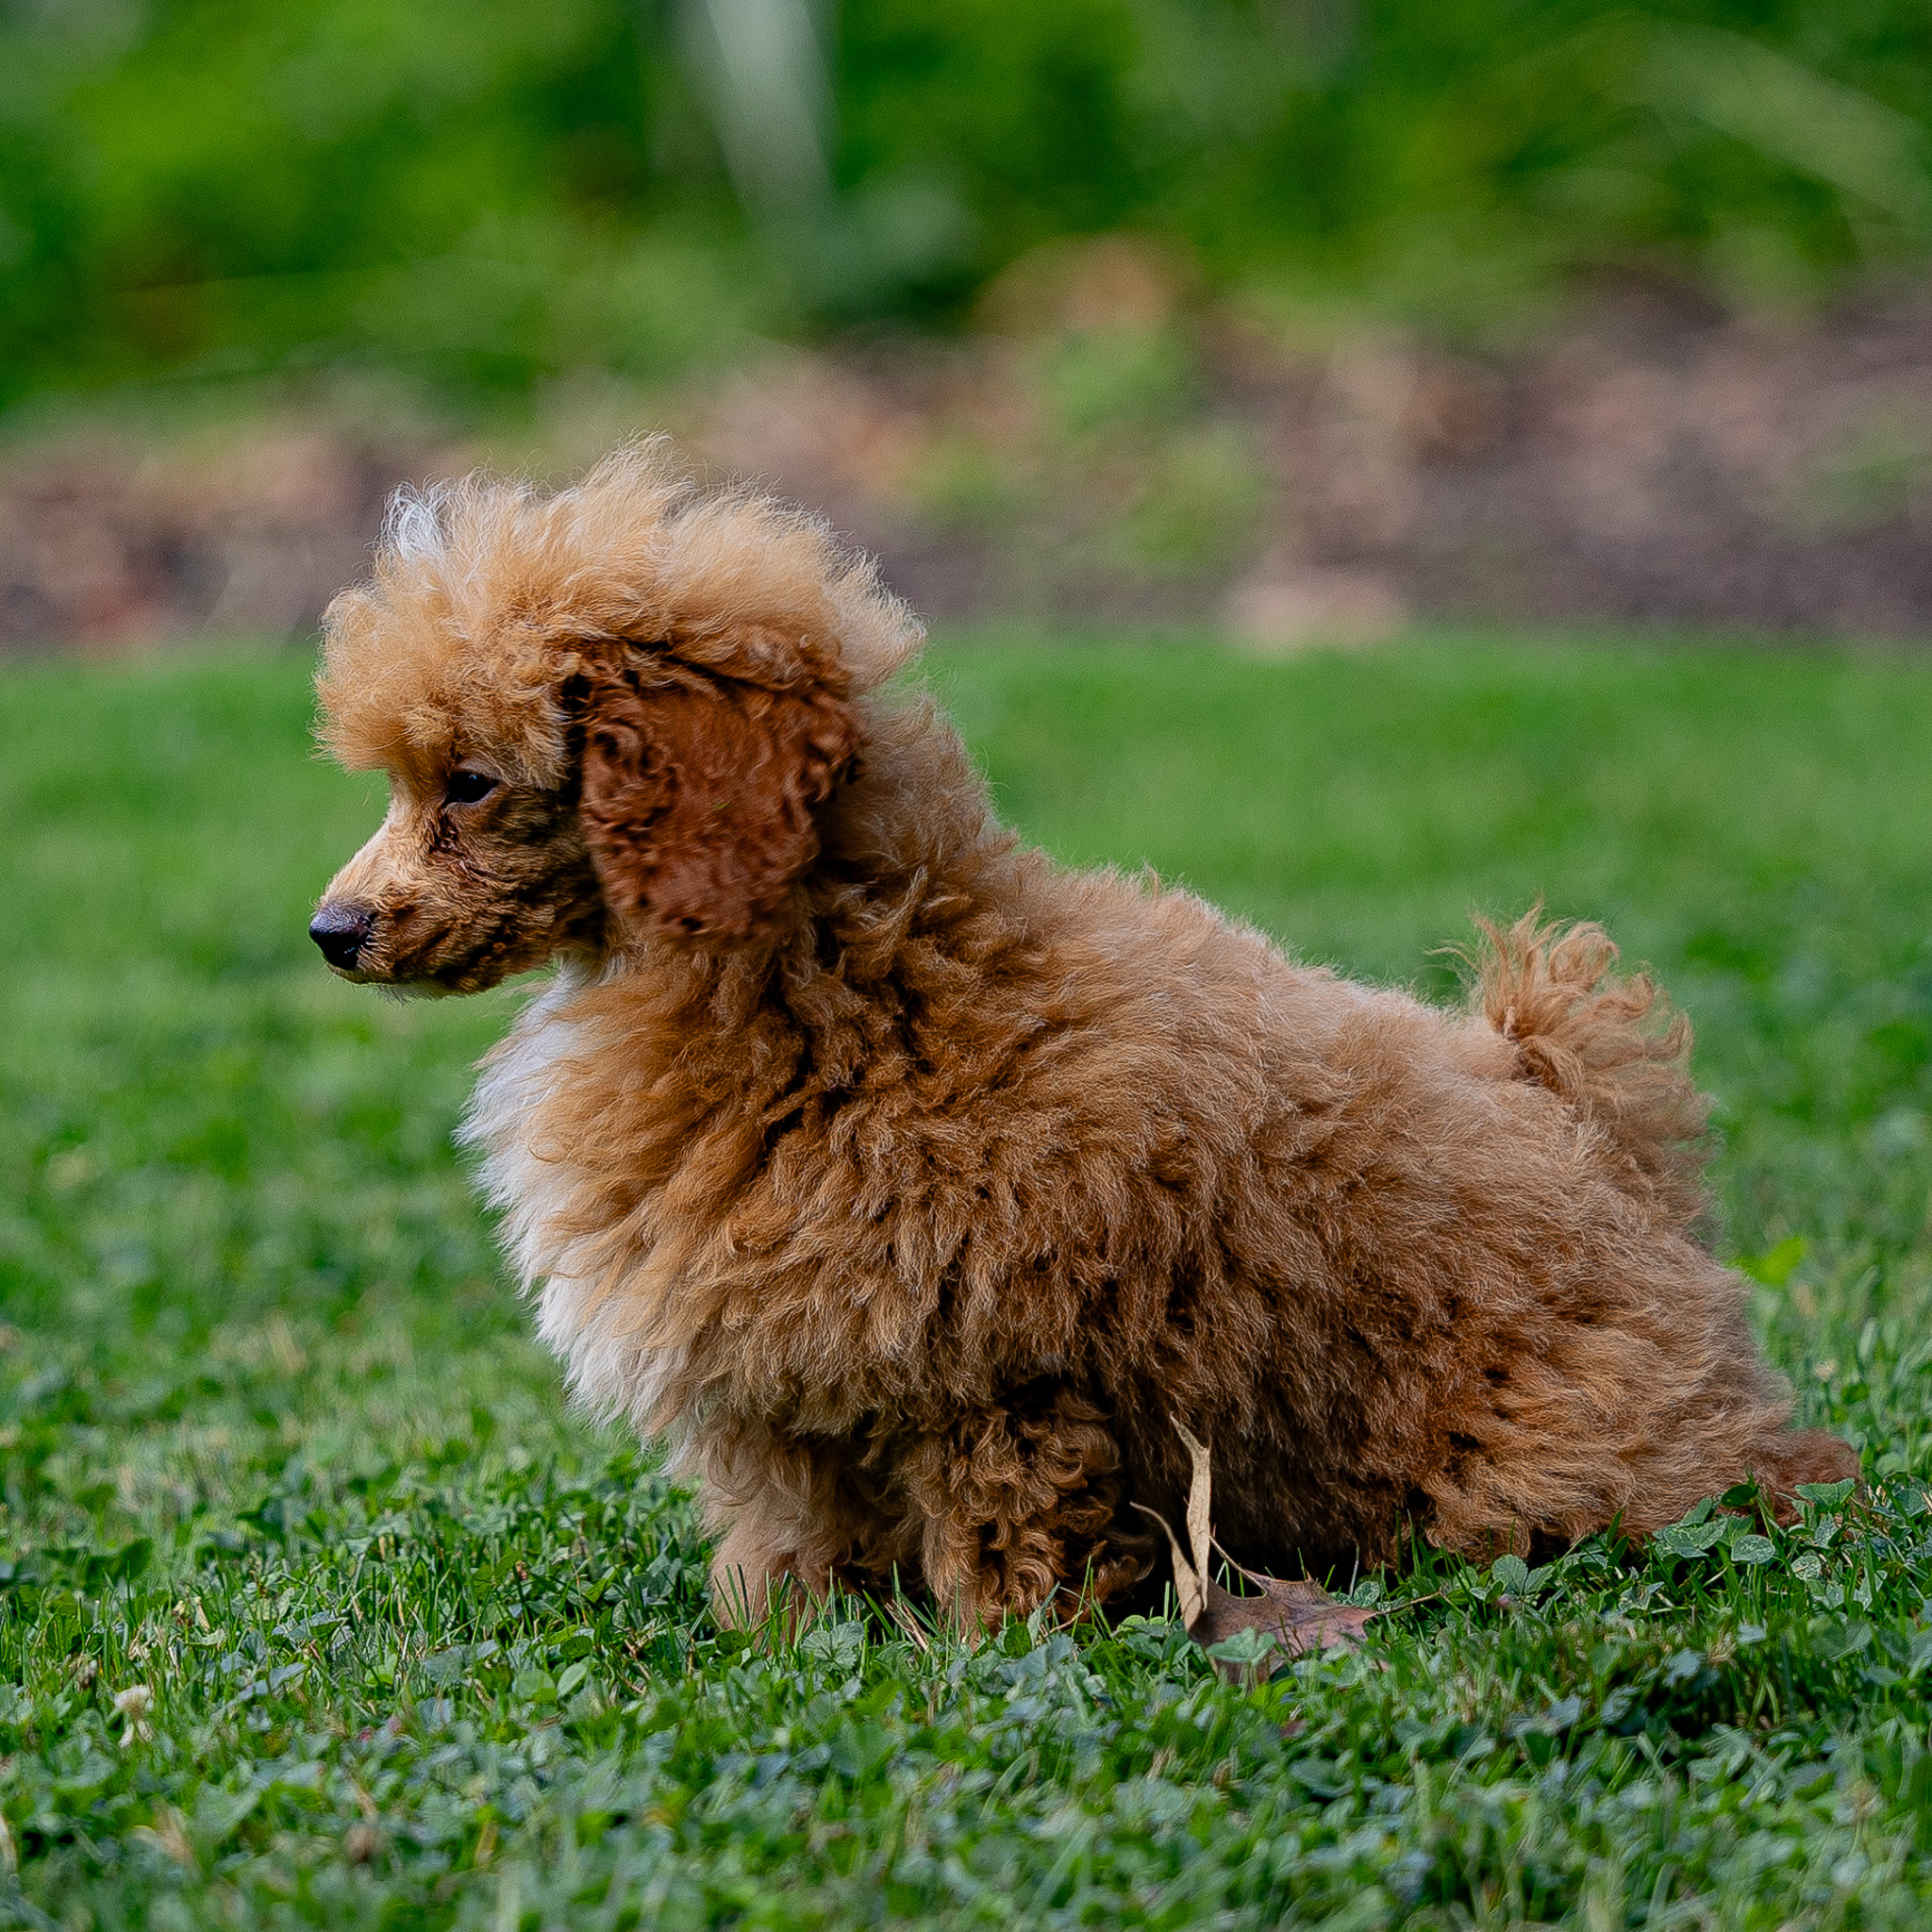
506 1120
533 1169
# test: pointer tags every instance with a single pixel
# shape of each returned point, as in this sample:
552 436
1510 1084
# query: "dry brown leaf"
1299 1615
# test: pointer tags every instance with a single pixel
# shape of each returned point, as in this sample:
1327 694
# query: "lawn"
316 1607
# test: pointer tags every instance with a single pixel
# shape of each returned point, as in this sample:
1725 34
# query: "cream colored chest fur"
537 1188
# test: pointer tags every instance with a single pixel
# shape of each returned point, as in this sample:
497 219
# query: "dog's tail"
1607 1044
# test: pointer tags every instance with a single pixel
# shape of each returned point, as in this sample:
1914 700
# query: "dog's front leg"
802 1522
751 1571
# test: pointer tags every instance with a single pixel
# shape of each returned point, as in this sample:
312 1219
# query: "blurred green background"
477 194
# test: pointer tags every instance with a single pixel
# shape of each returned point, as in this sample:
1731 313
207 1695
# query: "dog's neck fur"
911 853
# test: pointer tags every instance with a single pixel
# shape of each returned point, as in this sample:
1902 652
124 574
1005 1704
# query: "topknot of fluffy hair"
488 591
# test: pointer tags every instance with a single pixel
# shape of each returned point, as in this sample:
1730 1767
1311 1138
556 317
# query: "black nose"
342 932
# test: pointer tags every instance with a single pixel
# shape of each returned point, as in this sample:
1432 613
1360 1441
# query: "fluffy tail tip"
1605 1043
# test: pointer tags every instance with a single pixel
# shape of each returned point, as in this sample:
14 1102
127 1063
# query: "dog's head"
611 713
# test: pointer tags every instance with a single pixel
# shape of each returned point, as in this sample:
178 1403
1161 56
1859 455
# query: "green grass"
422 1650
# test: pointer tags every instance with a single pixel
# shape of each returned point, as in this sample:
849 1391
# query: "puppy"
914 1189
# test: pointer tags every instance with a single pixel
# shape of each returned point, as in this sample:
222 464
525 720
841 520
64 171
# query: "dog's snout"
342 931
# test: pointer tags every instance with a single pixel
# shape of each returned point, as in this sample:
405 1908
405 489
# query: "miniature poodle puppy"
913 1188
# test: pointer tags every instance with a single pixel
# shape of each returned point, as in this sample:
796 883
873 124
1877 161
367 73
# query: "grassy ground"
315 1608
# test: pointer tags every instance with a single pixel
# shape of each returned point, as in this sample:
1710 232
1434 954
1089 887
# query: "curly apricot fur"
912 1187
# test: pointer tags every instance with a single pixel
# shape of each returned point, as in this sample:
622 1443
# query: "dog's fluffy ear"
700 793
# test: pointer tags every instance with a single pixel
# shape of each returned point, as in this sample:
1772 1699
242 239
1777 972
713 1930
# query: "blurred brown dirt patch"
1112 447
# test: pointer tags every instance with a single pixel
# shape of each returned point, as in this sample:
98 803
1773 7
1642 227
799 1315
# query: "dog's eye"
466 787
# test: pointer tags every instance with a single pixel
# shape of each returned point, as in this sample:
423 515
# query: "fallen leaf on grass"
1299 1615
